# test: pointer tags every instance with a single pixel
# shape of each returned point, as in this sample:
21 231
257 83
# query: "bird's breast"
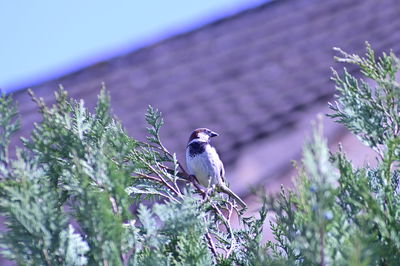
204 165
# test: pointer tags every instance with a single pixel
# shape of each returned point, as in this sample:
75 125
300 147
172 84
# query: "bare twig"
230 210
160 176
156 179
182 176
114 205
162 148
193 180
153 178
228 228
211 244
162 169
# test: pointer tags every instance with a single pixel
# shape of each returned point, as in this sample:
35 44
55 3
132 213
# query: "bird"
203 162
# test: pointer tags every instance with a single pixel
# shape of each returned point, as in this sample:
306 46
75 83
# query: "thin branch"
160 176
183 175
162 148
228 228
230 210
153 178
114 205
159 166
158 181
211 244
193 180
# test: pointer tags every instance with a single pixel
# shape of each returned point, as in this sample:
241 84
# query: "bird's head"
202 134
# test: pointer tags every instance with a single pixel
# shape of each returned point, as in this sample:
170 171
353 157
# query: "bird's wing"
188 166
222 172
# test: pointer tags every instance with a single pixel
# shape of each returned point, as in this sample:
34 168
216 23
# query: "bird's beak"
213 134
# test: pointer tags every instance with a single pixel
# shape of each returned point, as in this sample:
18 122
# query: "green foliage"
68 192
369 108
340 214
9 124
39 231
82 192
179 237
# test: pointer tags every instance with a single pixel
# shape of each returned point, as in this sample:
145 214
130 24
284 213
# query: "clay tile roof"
247 76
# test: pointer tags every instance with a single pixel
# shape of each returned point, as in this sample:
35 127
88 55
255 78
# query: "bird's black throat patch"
196 148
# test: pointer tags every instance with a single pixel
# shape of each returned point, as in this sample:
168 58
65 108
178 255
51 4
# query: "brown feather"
195 133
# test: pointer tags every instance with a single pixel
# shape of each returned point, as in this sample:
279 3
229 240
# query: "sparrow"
203 162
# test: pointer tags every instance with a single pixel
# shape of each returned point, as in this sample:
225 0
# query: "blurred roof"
247 76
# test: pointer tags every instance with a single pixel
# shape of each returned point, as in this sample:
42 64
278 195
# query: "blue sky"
43 39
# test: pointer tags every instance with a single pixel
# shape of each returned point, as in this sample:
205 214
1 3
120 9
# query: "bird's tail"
228 191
